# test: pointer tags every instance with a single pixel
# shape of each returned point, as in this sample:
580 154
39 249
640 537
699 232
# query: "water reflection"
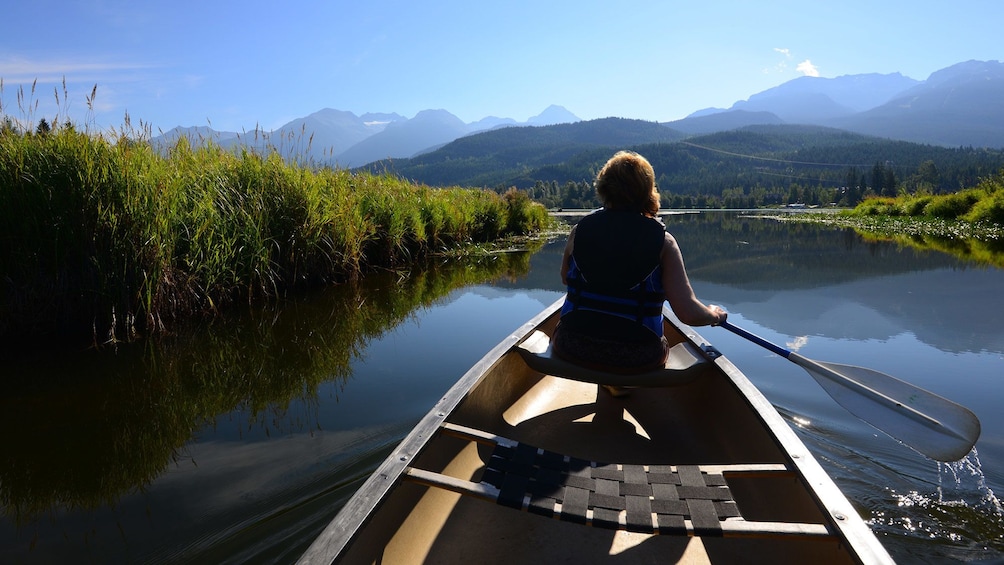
766 254
96 425
807 279
982 252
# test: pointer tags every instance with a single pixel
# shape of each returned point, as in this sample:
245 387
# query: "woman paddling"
619 265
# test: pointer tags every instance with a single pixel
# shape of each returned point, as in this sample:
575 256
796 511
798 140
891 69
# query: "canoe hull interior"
717 421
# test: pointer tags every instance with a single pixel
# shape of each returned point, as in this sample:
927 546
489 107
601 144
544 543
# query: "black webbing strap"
596 493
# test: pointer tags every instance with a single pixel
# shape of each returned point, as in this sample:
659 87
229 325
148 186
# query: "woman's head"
627 182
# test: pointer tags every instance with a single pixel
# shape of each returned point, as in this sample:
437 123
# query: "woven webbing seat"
659 499
589 492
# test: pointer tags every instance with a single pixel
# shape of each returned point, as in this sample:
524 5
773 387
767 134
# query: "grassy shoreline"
111 240
881 225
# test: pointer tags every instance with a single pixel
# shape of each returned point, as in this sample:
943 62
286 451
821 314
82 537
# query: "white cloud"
807 68
798 343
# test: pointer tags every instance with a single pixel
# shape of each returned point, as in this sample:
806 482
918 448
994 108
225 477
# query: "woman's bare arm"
567 256
680 294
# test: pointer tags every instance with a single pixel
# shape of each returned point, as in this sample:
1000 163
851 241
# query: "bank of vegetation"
111 239
983 203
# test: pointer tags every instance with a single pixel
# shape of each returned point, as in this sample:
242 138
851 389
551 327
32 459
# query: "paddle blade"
928 423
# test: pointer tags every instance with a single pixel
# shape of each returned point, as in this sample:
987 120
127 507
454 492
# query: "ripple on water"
922 511
958 519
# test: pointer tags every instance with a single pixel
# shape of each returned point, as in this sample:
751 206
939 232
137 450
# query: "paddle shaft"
812 366
757 339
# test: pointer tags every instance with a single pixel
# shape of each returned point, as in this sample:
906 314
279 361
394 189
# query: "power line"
722 151
834 181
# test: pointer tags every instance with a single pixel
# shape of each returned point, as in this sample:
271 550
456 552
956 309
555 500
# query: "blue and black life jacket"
615 271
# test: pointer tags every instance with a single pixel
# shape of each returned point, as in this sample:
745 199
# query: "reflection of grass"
116 420
983 252
968 224
981 243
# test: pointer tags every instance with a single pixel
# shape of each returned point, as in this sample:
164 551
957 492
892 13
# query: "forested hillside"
748 167
501 156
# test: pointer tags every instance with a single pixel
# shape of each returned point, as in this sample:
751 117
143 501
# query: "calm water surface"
238 441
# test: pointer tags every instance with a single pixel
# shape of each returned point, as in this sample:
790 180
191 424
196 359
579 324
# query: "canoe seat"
685 364
656 499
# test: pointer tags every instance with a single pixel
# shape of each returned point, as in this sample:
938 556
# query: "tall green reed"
106 236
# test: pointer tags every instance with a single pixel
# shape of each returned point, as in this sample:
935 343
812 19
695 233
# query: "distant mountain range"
959 106
962 105
343 139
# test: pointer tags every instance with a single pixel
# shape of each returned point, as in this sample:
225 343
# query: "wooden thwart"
690 500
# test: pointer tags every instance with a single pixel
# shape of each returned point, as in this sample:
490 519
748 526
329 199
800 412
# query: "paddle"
932 425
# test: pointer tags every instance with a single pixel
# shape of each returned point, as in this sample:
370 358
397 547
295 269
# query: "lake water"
237 441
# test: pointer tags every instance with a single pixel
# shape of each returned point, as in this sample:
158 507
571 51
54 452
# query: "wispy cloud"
116 82
17 69
782 65
807 68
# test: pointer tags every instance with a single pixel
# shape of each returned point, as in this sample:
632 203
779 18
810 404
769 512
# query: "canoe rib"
676 500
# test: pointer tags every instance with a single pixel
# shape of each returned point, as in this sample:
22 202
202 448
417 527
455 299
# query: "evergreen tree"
43 127
878 178
929 176
889 182
851 179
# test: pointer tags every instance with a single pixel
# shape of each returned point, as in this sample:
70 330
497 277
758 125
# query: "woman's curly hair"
627 182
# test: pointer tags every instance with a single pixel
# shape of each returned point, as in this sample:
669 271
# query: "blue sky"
235 65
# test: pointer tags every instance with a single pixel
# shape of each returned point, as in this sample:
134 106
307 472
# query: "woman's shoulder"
669 242
670 249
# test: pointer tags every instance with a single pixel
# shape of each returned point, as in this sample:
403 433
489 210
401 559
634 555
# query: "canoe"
526 459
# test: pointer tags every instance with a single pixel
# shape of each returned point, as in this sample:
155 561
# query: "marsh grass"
983 203
107 237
